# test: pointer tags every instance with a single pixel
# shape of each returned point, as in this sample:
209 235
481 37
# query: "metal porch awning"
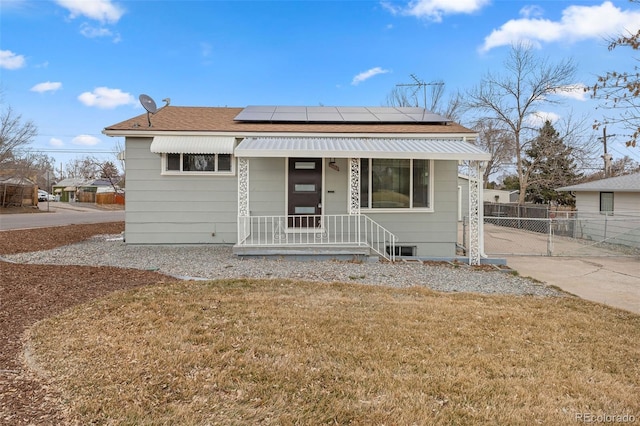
429 149
193 144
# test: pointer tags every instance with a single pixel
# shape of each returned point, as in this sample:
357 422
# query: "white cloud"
48 86
531 11
93 32
106 98
577 23
104 11
434 10
574 91
10 60
538 118
367 75
85 140
56 142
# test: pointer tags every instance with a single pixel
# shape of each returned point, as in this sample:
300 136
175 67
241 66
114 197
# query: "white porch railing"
269 231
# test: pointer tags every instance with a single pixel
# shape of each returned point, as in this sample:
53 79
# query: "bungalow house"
67 189
296 180
609 209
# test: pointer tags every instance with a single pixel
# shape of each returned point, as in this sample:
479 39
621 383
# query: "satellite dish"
148 103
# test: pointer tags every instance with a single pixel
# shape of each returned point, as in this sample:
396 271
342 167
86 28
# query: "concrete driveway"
613 281
590 271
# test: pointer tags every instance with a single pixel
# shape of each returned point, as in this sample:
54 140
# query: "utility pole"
420 84
606 156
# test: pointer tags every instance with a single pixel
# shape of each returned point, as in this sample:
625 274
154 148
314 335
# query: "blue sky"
74 67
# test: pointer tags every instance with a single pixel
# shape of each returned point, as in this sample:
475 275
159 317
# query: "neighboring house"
88 191
296 180
496 196
463 196
599 204
67 189
488 196
612 195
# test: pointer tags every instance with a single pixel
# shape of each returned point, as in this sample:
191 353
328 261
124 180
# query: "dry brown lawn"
281 352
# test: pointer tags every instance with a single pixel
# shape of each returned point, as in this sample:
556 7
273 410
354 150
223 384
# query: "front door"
305 192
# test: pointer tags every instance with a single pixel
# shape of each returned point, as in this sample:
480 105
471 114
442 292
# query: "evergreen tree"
550 165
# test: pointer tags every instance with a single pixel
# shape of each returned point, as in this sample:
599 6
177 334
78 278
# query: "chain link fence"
563 234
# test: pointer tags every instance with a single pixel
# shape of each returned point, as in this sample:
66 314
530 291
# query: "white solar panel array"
322 114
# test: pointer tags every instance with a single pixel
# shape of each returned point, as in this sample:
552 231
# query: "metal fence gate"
572 234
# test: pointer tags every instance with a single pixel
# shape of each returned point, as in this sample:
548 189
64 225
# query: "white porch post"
354 186
243 199
354 192
476 213
243 187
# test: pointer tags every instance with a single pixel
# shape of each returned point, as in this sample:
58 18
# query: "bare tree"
91 168
578 134
512 98
121 163
497 140
434 100
400 97
619 91
109 172
15 135
34 166
86 168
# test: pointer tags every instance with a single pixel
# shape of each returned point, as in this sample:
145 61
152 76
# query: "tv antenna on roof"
150 105
420 84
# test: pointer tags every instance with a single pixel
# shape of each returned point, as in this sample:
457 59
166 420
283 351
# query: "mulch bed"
29 293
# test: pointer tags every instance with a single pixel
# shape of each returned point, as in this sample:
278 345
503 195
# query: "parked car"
45 196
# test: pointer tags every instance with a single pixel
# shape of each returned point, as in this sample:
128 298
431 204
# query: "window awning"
431 149
193 144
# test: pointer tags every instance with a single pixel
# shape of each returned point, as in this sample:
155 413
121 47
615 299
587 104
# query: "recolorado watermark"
605 418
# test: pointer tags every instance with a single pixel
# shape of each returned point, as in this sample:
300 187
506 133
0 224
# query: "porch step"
310 252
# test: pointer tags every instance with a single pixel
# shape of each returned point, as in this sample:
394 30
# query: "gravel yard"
216 262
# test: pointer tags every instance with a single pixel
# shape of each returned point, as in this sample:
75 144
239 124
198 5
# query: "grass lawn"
282 352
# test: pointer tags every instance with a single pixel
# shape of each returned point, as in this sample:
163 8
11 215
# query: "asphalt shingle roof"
626 183
221 119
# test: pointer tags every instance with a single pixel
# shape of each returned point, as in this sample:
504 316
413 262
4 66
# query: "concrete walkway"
613 281
59 214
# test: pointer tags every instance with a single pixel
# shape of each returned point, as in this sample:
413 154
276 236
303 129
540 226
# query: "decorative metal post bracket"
243 187
354 186
475 213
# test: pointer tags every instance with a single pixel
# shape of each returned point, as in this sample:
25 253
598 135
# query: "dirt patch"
27 240
29 293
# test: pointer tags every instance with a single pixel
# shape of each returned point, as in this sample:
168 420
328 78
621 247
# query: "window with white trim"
197 163
389 183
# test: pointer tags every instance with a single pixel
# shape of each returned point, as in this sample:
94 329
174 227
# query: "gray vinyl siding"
622 201
620 227
189 209
433 234
267 186
336 187
170 209
267 183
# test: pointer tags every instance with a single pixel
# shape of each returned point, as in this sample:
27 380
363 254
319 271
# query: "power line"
71 151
